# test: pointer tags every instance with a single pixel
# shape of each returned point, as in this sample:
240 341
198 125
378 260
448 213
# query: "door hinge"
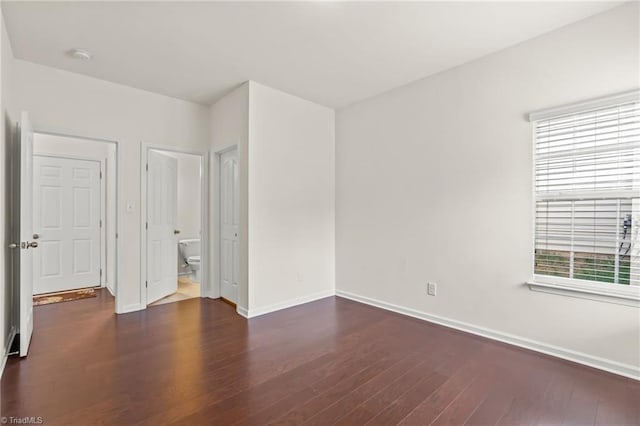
100 223
100 272
147 225
147 166
100 174
146 284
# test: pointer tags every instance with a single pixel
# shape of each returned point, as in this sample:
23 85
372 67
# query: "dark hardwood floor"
329 362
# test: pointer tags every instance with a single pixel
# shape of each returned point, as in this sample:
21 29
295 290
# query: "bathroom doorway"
174 225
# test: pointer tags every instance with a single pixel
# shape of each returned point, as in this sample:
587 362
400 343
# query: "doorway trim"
119 211
205 285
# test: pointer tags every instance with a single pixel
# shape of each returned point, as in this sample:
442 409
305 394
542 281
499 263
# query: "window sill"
621 295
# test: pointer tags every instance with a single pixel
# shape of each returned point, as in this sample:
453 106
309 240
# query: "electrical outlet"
431 289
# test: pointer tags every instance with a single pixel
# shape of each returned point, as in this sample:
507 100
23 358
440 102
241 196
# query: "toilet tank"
189 248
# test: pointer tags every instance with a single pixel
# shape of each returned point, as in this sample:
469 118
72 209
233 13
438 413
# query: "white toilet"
190 252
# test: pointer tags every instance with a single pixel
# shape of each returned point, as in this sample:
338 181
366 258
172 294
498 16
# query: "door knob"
36 236
32 244
176 231
13 245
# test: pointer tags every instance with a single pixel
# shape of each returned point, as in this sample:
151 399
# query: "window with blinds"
587 184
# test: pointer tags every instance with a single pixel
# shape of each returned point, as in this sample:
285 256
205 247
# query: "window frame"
628 295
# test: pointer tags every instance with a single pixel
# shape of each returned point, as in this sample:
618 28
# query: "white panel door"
26 247
162 212
66 216
229 220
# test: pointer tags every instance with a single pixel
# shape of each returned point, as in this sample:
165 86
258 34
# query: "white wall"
103 152
229 120
291 200
434 182
7 116
286 159
72 104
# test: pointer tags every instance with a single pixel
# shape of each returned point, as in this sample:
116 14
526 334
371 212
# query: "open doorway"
74 217
37 247
174 226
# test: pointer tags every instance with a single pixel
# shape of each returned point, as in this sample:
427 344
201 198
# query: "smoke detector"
80 54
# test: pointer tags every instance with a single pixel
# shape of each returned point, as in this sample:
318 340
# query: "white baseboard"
252 313
610 366
130 308
108 286
7 347
242 311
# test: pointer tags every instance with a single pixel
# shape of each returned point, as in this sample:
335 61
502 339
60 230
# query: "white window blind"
587 183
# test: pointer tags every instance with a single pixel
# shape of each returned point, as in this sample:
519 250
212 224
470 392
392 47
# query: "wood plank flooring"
329 362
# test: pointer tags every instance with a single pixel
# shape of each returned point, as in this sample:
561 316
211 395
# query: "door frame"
217 222
205 287
103 205
119 203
